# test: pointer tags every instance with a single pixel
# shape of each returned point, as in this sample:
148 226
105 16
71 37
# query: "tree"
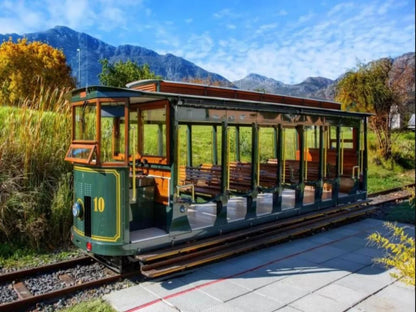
366 90
120 73
25 68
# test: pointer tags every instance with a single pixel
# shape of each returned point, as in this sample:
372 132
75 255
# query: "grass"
33 174
18 257
398 171
97 305
402 213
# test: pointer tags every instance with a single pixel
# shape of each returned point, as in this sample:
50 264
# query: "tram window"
81 153
112 145
153 132
267 144
347 137
290 143
133 134
85 123
240 139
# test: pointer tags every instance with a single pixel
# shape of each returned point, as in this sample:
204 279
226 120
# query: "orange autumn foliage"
25 67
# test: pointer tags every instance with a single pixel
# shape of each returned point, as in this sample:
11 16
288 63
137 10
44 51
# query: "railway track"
67 284
181 258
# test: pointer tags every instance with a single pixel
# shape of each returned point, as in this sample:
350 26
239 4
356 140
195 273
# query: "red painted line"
150 303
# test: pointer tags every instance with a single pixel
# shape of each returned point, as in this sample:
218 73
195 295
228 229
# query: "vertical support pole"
320 183
174 149
275 143
251 204
277 194
300 188
335 187
365 155
214 145
221 202
189 145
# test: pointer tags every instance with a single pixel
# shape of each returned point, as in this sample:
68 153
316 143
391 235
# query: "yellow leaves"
400 252
24 64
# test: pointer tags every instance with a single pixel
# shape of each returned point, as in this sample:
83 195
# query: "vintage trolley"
158 163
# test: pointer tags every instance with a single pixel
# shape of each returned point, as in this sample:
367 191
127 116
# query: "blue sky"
284 40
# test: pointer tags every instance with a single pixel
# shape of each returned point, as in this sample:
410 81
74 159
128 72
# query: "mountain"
401 78
83 53
261 83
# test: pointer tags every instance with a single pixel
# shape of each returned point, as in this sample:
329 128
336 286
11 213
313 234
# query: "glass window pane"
112 147
85 123
154 132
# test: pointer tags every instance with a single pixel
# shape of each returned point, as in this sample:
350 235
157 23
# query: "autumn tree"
26 67
366 90
120 73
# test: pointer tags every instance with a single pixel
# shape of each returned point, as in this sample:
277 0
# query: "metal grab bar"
178 187
358 171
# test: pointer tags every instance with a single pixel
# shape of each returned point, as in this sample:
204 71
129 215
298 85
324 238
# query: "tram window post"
214 145
321 165
189 145
300 187
335 188
251 204
365 155
277 194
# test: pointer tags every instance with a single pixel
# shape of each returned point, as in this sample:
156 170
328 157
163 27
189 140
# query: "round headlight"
76 210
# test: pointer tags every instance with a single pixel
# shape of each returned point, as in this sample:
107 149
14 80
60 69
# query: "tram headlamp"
77 210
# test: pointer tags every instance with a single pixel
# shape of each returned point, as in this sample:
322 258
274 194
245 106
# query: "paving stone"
194 301
323 254
343 295
315 302
129 298
225 290
283 291
342 264
253 302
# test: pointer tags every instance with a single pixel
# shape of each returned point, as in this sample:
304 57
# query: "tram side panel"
99 224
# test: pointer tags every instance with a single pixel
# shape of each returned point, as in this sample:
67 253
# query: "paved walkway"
330 271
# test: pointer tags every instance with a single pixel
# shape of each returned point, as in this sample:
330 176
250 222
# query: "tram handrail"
358 172
178 187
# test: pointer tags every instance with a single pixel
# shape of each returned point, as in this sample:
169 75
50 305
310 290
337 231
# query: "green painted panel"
99 191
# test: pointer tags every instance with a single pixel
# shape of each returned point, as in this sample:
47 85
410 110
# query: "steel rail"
20 304
10 276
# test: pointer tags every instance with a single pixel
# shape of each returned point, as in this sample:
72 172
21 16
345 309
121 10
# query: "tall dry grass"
35 190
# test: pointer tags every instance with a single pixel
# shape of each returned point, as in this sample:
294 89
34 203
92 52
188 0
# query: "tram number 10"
99 204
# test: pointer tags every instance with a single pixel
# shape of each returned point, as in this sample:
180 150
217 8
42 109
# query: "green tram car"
160 163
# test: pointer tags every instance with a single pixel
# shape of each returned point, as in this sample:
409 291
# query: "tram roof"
201 101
